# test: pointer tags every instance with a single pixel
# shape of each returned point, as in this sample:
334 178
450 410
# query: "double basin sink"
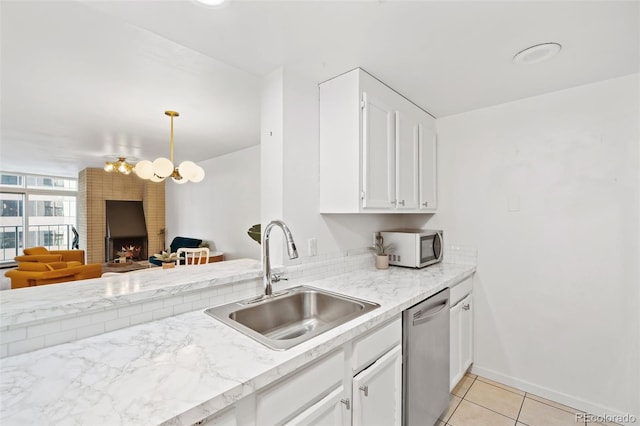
289 318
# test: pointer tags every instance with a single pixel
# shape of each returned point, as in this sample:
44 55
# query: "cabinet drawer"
460 290
300 390
375 344
226 418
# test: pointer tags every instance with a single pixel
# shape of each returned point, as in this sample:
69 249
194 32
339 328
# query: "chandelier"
162 168
120 166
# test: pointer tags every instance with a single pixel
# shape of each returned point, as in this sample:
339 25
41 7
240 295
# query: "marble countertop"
181 369
44 303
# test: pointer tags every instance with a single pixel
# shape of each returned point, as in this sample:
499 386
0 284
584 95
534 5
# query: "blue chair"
178 242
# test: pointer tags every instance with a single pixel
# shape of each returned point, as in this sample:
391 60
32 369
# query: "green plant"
381 249
166 257
255 232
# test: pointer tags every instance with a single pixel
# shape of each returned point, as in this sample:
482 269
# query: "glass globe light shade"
162 167
187 169
180 181
198 176
144 169
122 168
155 178
108 167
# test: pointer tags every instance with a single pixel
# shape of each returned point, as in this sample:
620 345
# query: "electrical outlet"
513 203
312 245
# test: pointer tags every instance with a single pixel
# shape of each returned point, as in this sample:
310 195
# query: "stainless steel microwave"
413 248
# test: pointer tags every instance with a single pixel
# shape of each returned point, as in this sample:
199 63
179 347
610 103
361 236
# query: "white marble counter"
45 303
181 369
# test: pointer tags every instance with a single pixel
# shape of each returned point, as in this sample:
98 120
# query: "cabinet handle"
401 202
346 403
425 204
394 202
365 389
466 307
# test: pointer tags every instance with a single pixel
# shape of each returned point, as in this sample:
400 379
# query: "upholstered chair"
42 255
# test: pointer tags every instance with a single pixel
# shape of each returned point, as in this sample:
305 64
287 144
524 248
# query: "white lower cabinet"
227 418
285 400
359 383
466 333
461 339
377 392
330 411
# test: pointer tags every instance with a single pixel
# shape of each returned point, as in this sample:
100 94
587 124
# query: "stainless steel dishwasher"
425 370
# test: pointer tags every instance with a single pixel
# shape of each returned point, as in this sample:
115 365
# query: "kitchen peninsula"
175 368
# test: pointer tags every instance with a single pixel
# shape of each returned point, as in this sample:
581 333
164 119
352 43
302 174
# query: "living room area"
108 103
219 216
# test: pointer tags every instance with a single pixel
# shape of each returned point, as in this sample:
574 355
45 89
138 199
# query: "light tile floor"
477 401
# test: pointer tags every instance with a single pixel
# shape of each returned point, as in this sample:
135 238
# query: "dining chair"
192 256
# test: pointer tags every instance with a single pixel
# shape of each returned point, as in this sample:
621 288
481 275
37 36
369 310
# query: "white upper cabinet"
407 159
428 149
377 149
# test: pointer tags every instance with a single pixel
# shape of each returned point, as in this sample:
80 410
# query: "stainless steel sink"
292 317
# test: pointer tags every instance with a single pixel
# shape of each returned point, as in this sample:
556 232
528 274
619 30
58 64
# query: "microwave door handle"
437 243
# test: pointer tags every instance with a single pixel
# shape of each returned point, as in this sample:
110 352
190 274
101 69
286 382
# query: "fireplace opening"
132 248
126 233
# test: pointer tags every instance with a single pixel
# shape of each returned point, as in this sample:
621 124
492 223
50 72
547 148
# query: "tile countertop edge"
317 348
230 364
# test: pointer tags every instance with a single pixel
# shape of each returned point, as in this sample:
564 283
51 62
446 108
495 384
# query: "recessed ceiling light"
537 53
212 2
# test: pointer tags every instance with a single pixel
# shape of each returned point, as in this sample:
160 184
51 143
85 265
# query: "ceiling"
83 81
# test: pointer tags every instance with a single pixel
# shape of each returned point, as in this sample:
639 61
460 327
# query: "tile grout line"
552 406
469 388
507 390
489 409
461 399
520 410
500 387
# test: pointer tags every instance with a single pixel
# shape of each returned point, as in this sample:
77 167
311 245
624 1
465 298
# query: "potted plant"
168 259
382 253
255 233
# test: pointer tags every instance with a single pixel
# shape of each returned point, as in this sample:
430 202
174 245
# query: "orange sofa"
42 255
30 274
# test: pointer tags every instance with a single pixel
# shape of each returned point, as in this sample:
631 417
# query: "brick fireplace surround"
95 186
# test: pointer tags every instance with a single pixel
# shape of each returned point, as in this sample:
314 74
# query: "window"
10 240
43 205
11 208
10 180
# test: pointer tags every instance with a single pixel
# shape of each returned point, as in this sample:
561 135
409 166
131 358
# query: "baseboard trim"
562 398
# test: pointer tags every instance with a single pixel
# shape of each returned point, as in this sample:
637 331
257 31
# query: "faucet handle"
277 277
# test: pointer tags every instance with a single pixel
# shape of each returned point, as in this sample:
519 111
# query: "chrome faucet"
268 277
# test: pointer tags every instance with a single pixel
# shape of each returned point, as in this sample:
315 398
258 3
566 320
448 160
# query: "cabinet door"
455 365
428 171
407 153
300 390
466 333
378 161
377 392
327 412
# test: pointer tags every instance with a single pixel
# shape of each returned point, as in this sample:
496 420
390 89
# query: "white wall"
547 189
222 207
